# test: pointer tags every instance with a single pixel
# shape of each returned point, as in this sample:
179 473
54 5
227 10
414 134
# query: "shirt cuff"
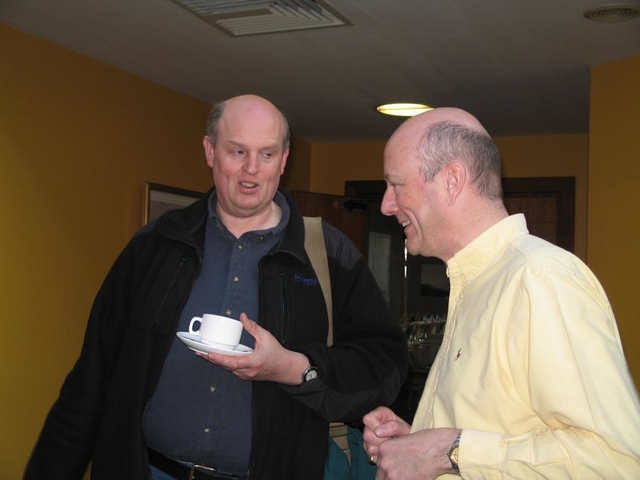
479 451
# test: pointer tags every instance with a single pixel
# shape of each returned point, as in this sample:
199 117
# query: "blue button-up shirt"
200 412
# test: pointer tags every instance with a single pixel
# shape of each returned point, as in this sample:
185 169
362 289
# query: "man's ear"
285 155
208 150
456 180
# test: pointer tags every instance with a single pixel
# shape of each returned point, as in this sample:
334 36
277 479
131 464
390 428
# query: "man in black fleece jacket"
139 404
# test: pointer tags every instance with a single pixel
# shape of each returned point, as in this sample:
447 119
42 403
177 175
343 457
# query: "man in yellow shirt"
530 380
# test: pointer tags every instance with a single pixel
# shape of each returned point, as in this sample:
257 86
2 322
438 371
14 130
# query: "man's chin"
411 248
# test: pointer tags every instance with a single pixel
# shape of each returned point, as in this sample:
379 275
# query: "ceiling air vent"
251 17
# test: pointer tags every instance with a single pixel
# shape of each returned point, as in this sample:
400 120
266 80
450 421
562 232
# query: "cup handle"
194 320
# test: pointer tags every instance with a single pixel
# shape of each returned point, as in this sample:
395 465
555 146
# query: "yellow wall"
614 194
332 163
78 139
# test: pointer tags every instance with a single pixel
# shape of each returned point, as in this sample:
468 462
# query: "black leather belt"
182 472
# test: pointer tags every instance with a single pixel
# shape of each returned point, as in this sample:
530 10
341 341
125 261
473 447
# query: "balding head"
247 149
445 114
246 106
443 135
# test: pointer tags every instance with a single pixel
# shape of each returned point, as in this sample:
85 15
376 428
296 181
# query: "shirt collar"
279 199
469 262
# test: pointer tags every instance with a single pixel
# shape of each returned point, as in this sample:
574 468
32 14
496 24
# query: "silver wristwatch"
309 373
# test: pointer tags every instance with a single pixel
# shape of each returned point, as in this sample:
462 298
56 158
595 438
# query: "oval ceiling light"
620 12
403 109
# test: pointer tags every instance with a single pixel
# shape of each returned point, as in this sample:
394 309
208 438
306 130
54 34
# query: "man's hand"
380 425
421 455
269 361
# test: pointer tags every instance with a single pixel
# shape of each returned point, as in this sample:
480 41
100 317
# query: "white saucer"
197 345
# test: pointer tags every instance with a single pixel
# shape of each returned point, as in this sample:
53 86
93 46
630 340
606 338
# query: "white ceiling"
521 66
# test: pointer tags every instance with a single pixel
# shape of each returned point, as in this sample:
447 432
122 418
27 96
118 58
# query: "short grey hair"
216 114
445 141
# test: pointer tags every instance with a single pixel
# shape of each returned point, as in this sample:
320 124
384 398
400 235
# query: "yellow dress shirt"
531 366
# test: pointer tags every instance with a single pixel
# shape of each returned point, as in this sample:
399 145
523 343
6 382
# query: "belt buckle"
192 472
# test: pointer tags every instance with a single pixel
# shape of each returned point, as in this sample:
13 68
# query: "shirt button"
228 312
207 430
236 279
240 247
213 388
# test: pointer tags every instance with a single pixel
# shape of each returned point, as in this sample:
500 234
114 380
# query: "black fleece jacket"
97 418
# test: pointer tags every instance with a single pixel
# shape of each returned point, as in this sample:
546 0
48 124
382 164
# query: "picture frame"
159 199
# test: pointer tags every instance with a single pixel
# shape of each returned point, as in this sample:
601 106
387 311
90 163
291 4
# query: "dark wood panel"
346 214
544 201
541 213
535 208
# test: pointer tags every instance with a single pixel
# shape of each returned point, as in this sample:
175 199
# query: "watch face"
311 374
454 455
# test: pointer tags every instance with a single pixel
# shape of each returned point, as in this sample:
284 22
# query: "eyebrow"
274 146
233 143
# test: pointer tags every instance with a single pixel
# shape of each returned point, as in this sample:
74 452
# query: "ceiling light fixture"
620 12
403 109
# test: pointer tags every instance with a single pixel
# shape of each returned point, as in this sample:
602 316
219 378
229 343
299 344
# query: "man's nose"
388 206
252 164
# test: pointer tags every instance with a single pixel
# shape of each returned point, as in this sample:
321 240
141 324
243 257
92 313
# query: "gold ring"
370 460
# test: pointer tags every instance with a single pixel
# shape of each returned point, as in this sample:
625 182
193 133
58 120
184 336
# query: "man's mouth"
248 184
406 223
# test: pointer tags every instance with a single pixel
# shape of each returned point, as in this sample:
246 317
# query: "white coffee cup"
218 330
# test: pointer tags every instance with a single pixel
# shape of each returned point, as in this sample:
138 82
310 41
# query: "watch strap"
454 452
